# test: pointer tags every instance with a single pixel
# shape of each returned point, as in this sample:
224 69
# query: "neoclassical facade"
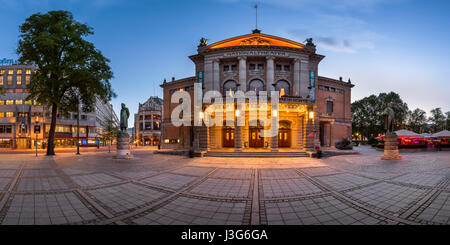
313 111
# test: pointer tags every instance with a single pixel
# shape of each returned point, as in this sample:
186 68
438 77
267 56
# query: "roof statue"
203 42
309 42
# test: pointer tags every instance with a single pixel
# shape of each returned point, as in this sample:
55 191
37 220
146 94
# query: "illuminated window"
19 102
283 87
23 114
9 102
2 102
27 102
19 90
1 80
28 72
19 80
2 71
10 78
9 114
27 80
19 71
10 71
36 103
2 114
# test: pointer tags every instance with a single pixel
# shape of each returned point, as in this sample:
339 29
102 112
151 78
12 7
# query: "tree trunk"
51 134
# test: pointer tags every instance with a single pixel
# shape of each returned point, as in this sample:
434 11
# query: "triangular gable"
256 39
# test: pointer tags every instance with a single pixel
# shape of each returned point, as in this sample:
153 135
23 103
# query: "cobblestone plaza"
160 189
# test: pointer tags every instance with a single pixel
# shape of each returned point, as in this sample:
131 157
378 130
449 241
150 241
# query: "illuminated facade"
147 122
313 110
19 116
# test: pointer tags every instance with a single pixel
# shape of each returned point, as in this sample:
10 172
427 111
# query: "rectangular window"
27 80
83 117
252 67
2 71
226 68
287 68
9 114
9 102
19 102
27 102
28 71
260 67
2 102
332 89
278 67
10 78
19 72
9 129
329 107
10 71
1 80
23 114
36 103
233 67
2 114
19 80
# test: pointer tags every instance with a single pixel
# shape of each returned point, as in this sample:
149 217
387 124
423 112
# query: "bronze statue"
203 42
124 115
389 119
309 42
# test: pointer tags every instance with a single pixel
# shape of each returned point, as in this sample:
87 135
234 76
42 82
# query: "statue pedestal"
123 146
391 147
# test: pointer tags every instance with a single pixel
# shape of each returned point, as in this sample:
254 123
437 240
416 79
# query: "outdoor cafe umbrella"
442 134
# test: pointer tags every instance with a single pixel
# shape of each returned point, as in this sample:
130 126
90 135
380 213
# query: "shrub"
344 144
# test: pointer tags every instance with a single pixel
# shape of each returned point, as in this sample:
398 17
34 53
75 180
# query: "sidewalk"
74 149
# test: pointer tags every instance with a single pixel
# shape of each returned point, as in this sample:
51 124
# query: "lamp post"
36 133
78 127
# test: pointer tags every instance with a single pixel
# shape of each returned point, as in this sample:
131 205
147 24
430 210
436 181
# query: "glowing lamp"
274 113
201 115
36 119
237 113
311 115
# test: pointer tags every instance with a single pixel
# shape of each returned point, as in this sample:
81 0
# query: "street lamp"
36 132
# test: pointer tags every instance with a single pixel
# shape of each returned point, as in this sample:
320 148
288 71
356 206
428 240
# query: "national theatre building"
313 111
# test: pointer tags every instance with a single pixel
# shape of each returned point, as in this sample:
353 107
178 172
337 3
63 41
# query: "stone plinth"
391 147
123 146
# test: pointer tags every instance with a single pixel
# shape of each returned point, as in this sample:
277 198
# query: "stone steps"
256 154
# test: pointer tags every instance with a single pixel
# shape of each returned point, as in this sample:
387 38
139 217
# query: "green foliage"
447 124
110 129
438 120
367 119
417 121
70 69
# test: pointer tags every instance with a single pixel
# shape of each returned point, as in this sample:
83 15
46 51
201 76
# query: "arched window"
256 85
229 87
283 87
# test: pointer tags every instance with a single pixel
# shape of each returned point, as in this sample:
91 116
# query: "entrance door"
255 137
284 138
228 137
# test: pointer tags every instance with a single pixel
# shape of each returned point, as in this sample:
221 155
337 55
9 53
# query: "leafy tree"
448 120
110 131
417 120
367 119
70 69
437 119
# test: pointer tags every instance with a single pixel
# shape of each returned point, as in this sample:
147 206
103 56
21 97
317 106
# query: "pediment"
256 39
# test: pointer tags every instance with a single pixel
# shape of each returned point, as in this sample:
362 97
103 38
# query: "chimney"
173 79
340 79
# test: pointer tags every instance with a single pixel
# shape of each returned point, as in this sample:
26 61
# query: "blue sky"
382 45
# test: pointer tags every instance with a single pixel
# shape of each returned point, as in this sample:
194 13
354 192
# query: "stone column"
296 77
208 75
300 133
304 79
238 139
243 73
274 143
309 133
270 74
216 75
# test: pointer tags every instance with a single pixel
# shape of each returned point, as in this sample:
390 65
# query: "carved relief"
255 41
